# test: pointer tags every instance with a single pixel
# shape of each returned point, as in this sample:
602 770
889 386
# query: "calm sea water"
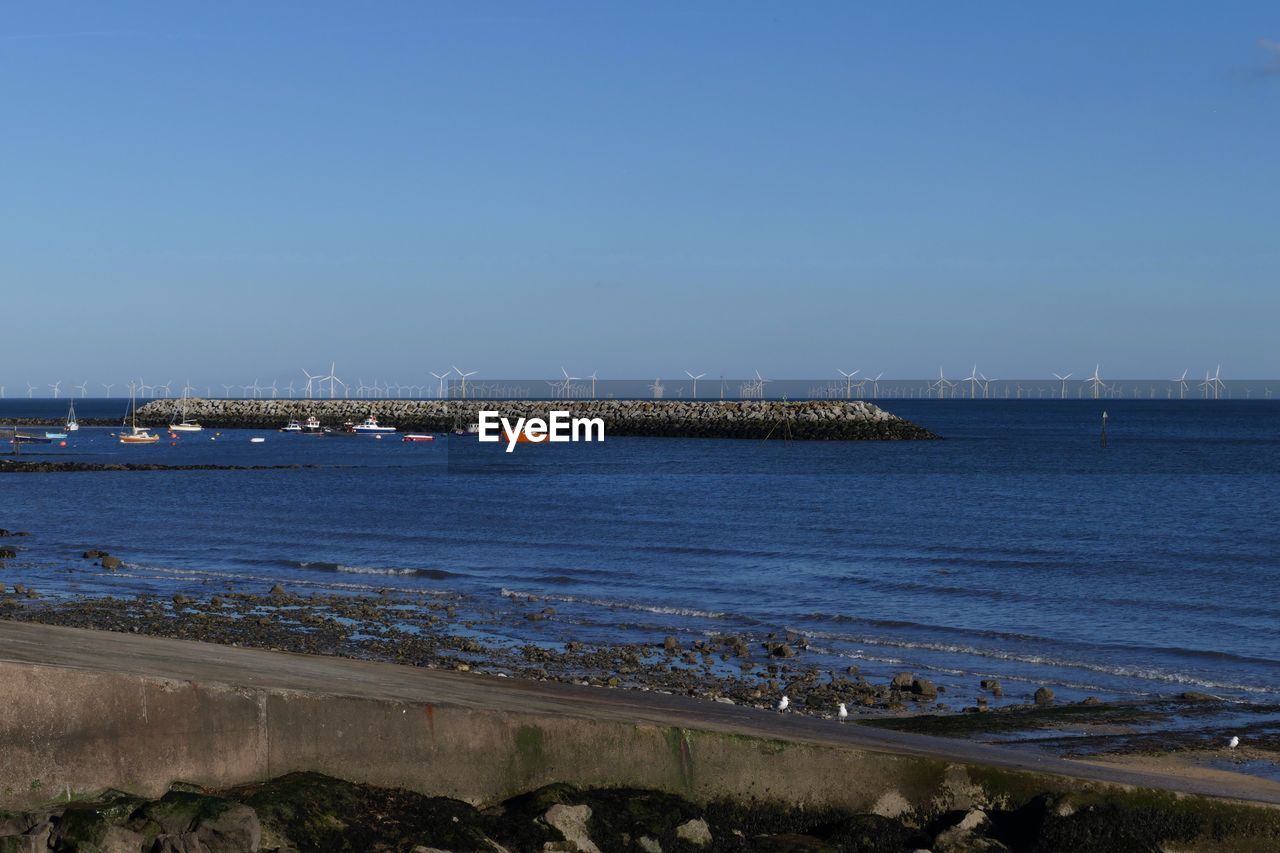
1016 548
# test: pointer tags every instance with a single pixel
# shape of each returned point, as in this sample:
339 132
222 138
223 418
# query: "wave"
433 574
623 605
1118 670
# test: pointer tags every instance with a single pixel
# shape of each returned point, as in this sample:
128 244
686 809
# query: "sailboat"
185 425
72 423
135 433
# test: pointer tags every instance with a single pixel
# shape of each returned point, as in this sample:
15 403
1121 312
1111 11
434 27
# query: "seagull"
843 713
783 703
1231 744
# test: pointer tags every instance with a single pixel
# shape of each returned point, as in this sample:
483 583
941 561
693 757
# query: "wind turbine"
463 389
972 379
30 389
941 385
1096 381
695 382
568 383
592 377
657 389
875 384
333 381
83 388
310 380
1206 385
56 388
226 391
848 382
1218 385
1182 385
760 380
107 387
1063 380
440 377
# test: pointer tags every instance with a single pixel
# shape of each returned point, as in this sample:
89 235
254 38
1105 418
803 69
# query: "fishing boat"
370 426
291 426
24 438
312 426
134 434
72 424
184 425
413 436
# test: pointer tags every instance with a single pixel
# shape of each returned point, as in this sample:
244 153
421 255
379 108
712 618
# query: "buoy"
62 444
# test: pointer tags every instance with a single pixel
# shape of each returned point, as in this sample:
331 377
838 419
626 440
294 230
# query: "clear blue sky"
239 189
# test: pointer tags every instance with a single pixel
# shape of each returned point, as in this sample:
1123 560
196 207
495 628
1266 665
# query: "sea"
1017 547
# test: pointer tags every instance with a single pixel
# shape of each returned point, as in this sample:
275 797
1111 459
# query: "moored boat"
370 426
72 424
184 425
291 426
418 437
134 434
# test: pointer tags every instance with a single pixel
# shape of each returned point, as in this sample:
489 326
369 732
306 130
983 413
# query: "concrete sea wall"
800 420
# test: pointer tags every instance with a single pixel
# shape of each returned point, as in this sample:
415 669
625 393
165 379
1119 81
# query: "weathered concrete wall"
67 730
801 420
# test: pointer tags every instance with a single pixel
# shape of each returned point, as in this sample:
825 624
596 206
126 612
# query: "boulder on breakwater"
806 420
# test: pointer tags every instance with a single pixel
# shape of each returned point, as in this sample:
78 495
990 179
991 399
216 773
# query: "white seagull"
1233 742
843 713
784 703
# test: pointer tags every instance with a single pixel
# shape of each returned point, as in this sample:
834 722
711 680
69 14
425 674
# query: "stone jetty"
800 420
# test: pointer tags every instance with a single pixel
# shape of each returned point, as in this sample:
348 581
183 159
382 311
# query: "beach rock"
923 688
966 836
1194 696
229 830
93 554
277 591
782 650
571 823
902 681
1043 696
991 684
111 563
670 644
695 832
8 553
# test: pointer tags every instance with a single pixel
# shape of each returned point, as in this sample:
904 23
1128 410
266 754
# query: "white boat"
257 440
72 424
134 434
312 425
185 425
291 426
370 426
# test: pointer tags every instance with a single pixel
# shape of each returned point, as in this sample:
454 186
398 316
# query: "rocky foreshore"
759 419
313 813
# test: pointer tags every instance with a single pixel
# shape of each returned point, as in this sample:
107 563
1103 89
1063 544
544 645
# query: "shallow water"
1016 547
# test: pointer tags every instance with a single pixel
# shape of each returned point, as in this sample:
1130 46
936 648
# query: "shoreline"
427 631
91 710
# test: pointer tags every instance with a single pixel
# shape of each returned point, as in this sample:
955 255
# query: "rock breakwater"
800 420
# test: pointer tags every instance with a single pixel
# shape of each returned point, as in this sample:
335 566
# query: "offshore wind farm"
849 385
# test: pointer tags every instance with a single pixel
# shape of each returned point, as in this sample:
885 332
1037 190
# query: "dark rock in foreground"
800 420
307 812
